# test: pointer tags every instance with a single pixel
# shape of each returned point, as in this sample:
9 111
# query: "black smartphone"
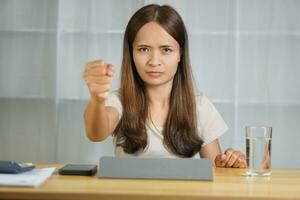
78 169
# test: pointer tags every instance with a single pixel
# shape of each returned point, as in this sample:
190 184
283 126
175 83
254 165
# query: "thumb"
110 71
219 160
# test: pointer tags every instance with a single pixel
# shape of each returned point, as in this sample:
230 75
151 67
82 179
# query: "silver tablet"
156 168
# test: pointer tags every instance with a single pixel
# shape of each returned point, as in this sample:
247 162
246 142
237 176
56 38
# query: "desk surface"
227 184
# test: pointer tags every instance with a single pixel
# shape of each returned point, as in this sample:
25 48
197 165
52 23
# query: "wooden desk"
227 184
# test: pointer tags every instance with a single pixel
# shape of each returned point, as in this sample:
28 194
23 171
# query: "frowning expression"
156 55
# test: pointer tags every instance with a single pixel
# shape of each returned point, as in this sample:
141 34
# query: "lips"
154 73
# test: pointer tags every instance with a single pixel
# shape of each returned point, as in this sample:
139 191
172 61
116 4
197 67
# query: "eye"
143 49
167 50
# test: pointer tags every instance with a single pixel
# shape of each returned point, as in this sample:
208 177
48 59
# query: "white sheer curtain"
245 56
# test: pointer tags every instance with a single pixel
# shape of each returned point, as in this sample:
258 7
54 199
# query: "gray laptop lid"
156 168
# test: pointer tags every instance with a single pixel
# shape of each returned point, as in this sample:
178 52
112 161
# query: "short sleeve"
210 123
113 100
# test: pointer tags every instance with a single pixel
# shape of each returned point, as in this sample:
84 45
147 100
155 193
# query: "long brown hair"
180 129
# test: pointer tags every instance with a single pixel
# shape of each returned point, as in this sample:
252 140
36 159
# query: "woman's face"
156 55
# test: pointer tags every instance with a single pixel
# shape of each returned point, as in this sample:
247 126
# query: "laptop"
155 168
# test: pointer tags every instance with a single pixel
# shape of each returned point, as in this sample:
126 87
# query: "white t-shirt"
210 127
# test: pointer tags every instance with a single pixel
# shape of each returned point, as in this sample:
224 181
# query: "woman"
156 112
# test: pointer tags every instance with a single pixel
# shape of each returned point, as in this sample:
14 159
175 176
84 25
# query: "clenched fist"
98 76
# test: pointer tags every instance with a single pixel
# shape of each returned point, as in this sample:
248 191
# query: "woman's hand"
98 76
231 158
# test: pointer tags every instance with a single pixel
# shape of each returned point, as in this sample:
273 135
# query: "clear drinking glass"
258 150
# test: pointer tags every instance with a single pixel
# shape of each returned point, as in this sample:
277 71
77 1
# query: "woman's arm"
100 121
211 150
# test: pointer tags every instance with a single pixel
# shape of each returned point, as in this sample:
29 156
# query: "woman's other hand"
231 158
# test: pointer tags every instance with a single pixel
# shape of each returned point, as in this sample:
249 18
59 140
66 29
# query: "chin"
156 83
153 83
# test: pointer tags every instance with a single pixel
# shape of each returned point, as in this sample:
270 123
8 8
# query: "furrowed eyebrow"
166 46
143 45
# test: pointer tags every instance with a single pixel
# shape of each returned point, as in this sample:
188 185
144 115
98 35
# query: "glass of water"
258 150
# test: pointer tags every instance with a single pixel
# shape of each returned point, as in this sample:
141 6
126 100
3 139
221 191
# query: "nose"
155 59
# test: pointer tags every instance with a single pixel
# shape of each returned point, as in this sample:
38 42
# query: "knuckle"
235 156
101 62
229 151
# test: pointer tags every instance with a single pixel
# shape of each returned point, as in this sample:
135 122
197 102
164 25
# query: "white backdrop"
245 57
